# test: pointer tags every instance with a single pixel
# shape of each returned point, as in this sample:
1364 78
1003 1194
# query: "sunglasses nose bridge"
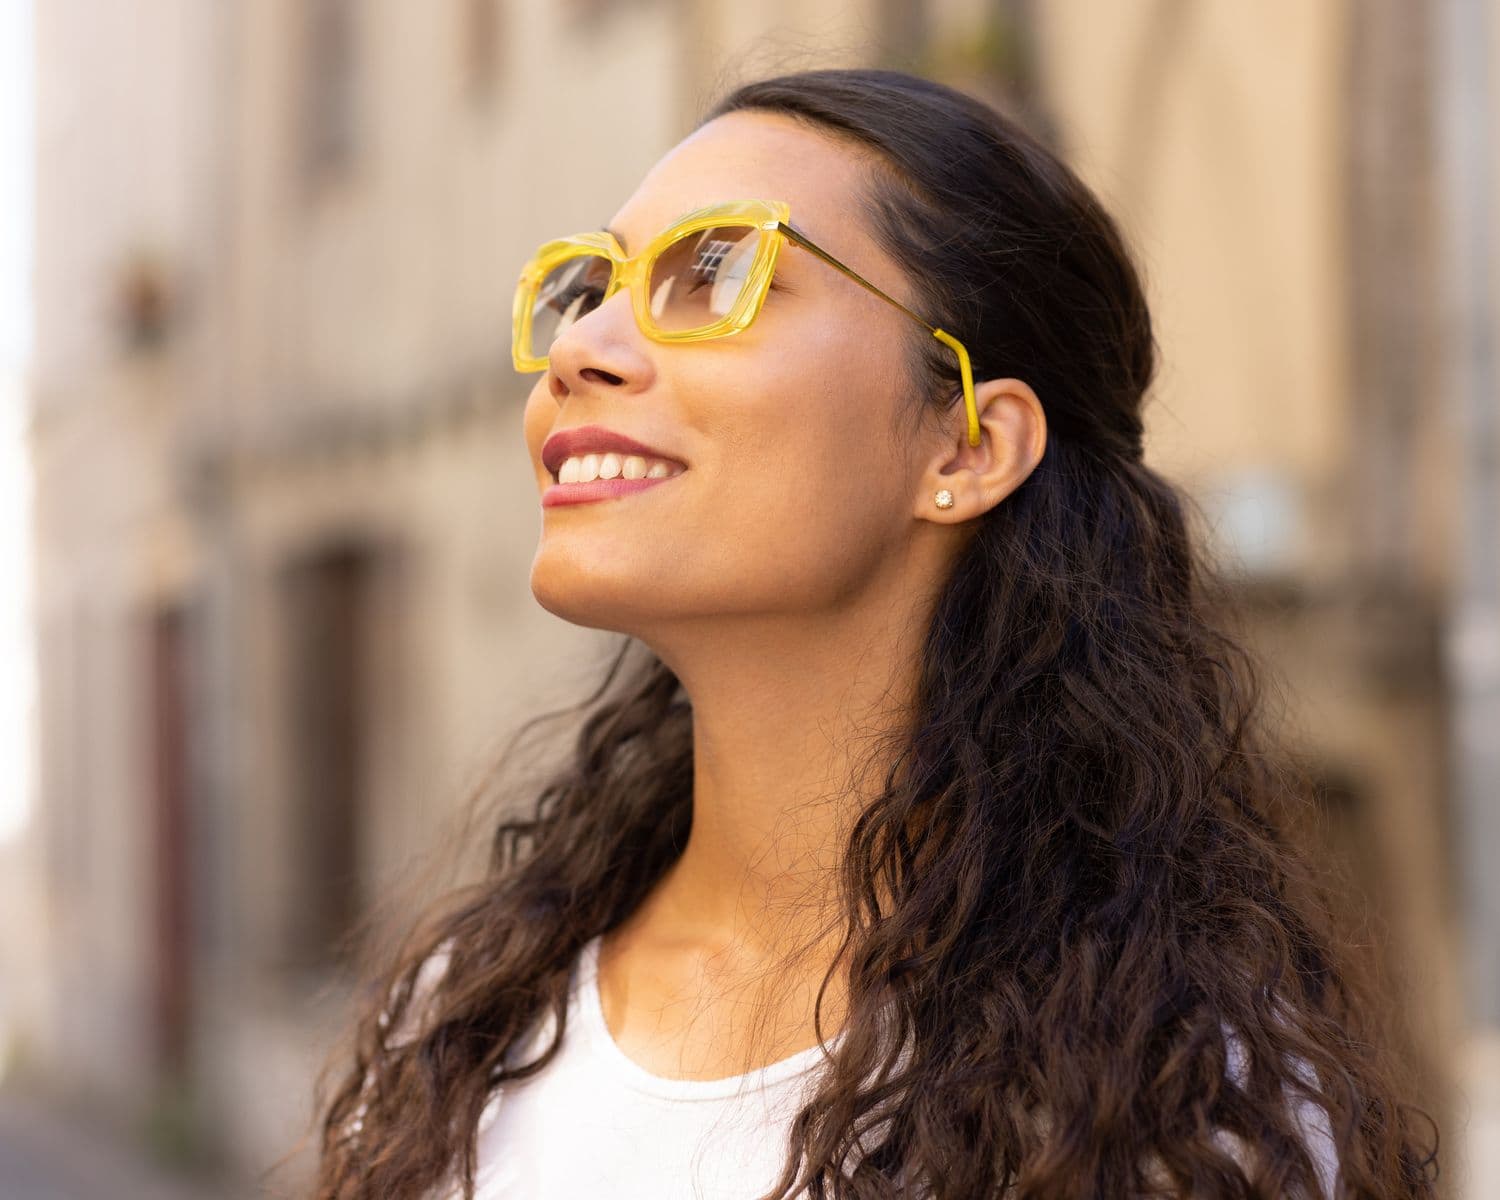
629 274
633 275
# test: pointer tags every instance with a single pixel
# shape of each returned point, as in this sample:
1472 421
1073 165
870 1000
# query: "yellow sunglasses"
704 277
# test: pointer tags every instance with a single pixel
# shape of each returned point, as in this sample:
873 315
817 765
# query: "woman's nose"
603 347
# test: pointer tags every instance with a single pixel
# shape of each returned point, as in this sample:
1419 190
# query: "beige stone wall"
1216 141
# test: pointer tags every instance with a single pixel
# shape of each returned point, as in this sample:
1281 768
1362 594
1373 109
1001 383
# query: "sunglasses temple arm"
965 370
849 271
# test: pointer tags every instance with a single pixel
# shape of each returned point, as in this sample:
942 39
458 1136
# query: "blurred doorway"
171 829
329 609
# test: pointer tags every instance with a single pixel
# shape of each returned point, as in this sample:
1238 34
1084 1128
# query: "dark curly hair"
1081 881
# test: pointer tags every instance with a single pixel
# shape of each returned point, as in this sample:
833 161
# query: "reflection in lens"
698 278
570 290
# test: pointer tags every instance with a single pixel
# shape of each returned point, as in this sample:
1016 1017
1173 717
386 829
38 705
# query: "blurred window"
329 85
590 16
481 48
903 28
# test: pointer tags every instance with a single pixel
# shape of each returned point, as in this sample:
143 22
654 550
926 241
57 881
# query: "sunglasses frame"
769 217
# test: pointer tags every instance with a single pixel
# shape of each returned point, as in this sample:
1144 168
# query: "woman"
920 840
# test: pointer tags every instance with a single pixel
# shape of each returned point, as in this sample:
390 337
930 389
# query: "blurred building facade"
285 514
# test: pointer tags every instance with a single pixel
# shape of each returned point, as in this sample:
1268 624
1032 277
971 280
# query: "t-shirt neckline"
591 1010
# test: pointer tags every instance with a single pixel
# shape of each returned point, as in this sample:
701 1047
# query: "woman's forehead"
749 156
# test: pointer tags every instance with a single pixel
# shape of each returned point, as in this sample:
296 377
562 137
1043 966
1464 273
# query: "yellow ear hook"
967 374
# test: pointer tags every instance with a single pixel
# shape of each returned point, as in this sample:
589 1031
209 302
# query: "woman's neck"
790 742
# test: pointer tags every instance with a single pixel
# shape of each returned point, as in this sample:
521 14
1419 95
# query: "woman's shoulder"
417 1014
1308 1116
429 975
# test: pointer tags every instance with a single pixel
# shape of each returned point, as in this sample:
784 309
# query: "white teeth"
588 467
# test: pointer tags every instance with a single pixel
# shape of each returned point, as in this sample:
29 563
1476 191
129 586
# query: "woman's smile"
601 488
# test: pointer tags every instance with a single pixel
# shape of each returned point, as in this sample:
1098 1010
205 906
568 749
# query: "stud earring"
944 499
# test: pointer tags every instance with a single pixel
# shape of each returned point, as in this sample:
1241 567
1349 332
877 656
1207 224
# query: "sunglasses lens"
568 291
696 280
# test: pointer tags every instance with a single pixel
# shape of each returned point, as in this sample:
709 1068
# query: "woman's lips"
598 489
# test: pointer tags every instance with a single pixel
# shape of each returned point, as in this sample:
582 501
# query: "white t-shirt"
594 1123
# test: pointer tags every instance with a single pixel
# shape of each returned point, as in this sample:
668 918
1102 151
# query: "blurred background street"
268 516
46 1154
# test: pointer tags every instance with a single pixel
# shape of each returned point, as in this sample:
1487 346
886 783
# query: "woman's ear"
1012 439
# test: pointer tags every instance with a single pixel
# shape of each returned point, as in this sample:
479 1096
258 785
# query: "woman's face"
797 498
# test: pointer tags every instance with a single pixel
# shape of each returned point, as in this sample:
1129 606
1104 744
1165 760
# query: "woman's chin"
587 598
